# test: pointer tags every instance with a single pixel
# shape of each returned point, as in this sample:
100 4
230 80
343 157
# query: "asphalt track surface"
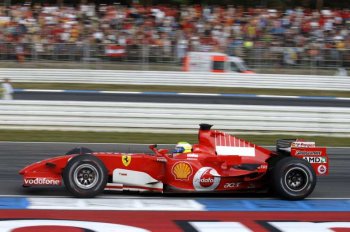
15 155
173 98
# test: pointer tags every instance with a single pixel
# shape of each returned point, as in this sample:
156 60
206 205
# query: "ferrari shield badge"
126 159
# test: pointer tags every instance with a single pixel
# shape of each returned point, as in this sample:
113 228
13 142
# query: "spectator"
7 90
187 28
20 53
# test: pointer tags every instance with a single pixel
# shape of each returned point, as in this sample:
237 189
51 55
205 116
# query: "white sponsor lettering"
219 226
41 181
232 185
308 153
315 160
192 155
280 226
303 144
161 159
262 167
309 226
207 180
11 225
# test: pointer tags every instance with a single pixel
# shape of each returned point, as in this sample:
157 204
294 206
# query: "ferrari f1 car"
218 163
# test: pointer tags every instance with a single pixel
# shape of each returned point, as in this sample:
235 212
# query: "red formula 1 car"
218 163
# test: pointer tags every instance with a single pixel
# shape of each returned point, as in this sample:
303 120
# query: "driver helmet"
182 147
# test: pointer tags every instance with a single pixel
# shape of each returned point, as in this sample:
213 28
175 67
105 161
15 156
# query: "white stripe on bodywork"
240 151
131 177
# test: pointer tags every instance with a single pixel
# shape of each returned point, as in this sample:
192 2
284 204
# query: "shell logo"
182 171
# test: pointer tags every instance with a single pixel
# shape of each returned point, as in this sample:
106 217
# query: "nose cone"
26 169
31 167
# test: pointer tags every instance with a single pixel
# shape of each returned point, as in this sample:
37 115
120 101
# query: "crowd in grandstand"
197 28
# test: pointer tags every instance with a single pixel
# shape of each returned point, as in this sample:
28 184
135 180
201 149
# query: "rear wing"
316 156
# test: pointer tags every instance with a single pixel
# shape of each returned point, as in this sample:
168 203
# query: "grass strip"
191 89
146 138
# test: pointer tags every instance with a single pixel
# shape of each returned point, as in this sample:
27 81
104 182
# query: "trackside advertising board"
157 221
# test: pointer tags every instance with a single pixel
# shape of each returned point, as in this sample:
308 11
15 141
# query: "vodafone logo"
206 179
41 181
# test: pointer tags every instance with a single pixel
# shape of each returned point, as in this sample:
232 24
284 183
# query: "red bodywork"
219 162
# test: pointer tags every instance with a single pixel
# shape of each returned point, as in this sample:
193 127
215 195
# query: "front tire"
79 151
85 176
293 178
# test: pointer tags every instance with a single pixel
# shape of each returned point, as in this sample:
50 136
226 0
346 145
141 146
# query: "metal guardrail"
334 83
172 118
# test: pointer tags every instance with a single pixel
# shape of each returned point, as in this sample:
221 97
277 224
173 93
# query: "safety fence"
152 78
172 118
257 57
85 52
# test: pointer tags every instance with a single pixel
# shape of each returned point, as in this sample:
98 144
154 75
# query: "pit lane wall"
139 215
151 78
173 118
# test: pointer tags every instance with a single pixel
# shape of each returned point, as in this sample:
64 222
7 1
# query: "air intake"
204 126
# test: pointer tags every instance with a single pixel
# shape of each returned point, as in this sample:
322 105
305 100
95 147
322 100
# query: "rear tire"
293 178
85 176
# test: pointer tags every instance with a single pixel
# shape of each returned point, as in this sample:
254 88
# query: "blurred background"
271 36
165 66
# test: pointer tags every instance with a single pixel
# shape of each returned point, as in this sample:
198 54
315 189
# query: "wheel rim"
86 176
296 179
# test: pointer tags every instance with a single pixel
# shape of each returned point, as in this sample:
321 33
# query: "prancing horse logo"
126 159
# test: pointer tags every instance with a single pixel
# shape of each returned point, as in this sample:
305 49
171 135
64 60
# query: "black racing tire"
293 178
85 176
